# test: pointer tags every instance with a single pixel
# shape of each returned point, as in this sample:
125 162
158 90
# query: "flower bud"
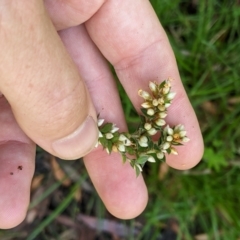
146 105
109 135
150 112
166 145
160 155
152 86
122 138
144 94
166 90
155 102
147 126
143 139
100 122
174 151
152 131
114 129
162 114
121 148
183 134
171 95
151 159
161 108
169 138
160 122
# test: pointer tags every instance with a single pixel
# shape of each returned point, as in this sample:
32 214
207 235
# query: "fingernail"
78 143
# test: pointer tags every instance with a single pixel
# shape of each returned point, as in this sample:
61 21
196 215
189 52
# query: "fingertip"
78 143
123 193
129 206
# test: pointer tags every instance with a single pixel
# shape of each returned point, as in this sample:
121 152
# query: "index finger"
129 35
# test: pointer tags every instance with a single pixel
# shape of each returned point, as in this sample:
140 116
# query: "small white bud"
127 142
107 150
109 135
114 129
166 90
169 138
151 159
150 112
100 122
152 131
160 155
122 138
160 122
146 105
174 151
179 128
143 144
167 105
155 102
166 145
169 131
162 114
100 134
121 148
171 95
152 86
161 108
147 126
143 139
144 94
161 100
183 133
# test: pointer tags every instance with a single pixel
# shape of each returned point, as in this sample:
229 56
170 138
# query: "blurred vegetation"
202 203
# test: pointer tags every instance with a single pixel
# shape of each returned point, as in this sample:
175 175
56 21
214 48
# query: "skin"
55 83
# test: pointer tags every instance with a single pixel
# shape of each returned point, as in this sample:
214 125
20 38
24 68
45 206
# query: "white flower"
146 105
121 148
100 122
152 86
160 122
166 145
114 129
155 102
169 138
143 139
182 134
151 159
160 155
147 126
144 94
171 95
174 151
150 112
122 138
100 134
162 114
167 105
166 90
152 131
109 135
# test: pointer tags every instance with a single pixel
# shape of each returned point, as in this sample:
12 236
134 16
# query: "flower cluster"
139 147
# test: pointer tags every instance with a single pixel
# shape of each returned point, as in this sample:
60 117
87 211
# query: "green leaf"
106 128
142 159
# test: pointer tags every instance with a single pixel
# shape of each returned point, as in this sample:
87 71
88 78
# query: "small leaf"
142 159
106 128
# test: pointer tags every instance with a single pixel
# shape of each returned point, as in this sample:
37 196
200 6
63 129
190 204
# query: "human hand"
48 97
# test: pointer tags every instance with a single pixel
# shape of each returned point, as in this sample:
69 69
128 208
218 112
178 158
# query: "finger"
130 36
48 97
124 195
17 154
68 13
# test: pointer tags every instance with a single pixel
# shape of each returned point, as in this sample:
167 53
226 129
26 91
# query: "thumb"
48 97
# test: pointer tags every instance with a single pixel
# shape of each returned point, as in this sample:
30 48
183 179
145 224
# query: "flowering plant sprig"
139 147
